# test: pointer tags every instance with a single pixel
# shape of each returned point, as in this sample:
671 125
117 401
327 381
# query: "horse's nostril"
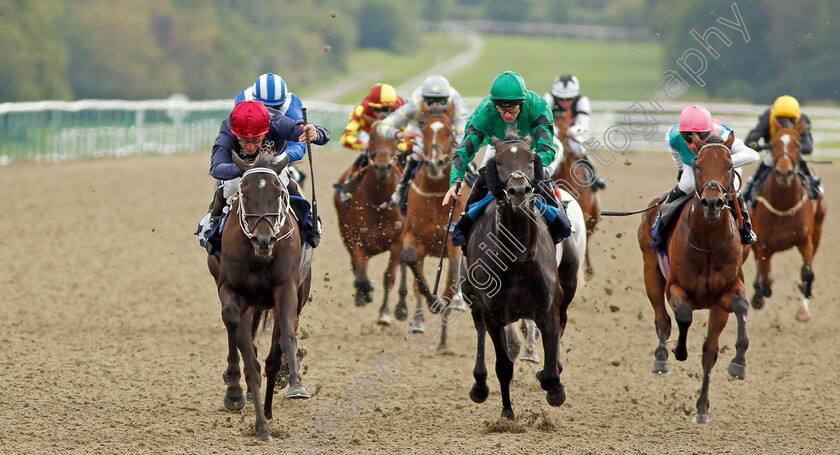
528 190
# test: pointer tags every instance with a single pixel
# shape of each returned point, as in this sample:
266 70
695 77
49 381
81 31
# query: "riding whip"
311 172
445 239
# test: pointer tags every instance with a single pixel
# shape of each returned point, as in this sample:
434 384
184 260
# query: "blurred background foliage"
211 49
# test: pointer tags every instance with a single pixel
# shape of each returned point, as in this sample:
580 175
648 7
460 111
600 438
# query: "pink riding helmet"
695 118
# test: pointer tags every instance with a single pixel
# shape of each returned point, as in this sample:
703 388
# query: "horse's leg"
655 288
401 309
388 280
286 301
504 366
683 315
530 353
479 390
763 282
418 324
252 372
806 249
717 321
819 216
234 399
361 282
550 324
737 367
272 367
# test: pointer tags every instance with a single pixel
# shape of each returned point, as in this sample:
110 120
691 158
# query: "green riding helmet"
508 89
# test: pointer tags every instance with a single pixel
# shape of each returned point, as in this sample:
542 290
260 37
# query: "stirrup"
748 238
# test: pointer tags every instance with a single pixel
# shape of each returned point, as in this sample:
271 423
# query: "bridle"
447 152
727 191
280 215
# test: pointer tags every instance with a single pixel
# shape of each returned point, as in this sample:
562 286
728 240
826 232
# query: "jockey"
270 89
381 101
406 123
565 99
251 128
697 119
509 105
784 108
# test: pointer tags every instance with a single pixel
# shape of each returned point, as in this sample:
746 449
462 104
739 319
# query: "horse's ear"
278 163
800 127
527 140
450 111
777 125
496 142
425 109
695 143
730 140
239 162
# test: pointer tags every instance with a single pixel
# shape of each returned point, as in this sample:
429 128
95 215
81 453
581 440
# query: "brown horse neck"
428 184
703 234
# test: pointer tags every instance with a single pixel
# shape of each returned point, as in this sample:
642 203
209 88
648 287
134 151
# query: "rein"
278 222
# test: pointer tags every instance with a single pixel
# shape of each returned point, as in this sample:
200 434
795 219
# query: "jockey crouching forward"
509 105
698 120
434 96
251 129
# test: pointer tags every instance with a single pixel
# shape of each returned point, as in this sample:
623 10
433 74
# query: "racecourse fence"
47 131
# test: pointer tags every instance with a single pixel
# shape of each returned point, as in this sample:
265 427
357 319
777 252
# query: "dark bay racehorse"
370 226
705 272
261 268
573 176
785 217
426 217
517 276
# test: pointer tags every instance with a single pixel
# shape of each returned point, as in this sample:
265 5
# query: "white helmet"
270 89
435 86
565 86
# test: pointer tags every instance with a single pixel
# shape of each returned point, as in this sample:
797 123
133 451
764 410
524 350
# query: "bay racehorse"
369 225
703 268
517 276
263 266
574 176
785 217
426 217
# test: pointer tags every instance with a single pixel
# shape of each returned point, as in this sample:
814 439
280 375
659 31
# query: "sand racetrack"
112 340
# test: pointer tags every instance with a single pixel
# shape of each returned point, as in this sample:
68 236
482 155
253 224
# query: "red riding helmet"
695 119
249 119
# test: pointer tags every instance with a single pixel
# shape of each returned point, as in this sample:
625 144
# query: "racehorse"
703 268
426 218
517 276
574 177
370 226
262 267
784 217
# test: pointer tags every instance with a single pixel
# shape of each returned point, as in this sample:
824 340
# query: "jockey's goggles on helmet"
508 103
430 100
686 135
250 140
380 108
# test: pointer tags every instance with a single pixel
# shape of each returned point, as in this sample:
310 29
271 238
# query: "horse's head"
714 175
514 165
438 143
381 153
263 202
786 150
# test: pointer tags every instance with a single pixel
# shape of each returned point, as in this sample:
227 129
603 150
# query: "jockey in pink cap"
697 120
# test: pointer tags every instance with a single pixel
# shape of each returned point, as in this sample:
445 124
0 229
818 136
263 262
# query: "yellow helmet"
786 106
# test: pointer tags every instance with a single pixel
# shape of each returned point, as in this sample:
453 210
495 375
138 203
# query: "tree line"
209 49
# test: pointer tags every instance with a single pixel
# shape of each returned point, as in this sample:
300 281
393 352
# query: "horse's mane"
714 139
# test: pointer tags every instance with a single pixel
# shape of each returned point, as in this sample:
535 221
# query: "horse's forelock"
263 160
511 133
714 139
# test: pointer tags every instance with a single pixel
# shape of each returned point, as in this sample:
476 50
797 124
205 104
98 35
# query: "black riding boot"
217 204
461 229
814 190
747 235
400 194
760 172
598 182
345 190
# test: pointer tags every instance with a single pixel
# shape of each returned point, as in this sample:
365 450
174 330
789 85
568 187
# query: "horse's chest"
707 280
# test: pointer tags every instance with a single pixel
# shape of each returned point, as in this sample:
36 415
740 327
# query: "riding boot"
296 175
558 222
461 229
814 185
400 194
345 190
659 231
217 205
747 235
598 182
760 172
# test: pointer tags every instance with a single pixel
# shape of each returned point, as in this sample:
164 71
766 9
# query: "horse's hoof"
736 371
458 304
530 356
757 301
479 394
507 414
417 327
661 367
269 325
226 376
263 438
384 319
301 352
803 316
360 301
557 396
234 404
401 312
701 418
297 392
680 354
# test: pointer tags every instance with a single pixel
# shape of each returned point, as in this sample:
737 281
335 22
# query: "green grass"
392 68
607 70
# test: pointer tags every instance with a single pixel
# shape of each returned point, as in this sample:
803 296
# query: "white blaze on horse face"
514 149
262 184
435 126
785 140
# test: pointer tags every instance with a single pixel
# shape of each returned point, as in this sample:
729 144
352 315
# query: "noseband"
278 222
